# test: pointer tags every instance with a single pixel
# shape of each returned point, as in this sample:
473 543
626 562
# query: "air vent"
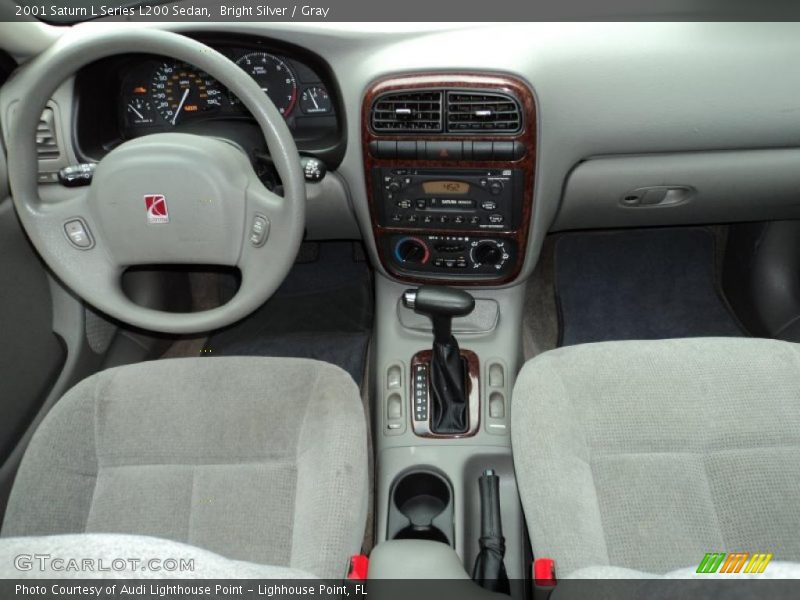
474 112
46 141
407 112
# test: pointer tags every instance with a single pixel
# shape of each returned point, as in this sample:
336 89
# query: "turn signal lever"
448 374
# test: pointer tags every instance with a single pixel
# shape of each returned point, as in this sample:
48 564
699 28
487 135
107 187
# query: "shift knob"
439 301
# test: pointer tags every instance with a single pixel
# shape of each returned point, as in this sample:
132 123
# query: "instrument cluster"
160 94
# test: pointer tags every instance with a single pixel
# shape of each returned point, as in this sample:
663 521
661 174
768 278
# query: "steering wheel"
168 198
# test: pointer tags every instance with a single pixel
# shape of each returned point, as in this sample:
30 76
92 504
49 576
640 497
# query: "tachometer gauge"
180 90
139 111
315 101
274 76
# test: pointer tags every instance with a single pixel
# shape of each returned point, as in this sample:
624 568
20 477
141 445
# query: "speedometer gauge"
274 77
180 90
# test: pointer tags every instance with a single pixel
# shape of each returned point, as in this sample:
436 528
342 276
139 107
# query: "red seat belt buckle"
544 573
359 567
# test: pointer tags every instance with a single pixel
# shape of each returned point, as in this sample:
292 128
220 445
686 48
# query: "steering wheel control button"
259 231
75 175
78 234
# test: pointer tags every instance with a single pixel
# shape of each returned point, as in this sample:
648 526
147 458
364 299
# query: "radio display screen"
445 187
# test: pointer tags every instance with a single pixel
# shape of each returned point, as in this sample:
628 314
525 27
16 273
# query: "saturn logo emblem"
157 211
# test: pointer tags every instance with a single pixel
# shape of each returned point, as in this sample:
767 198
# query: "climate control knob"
487 253
411 250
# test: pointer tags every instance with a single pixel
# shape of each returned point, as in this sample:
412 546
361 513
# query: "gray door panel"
31 355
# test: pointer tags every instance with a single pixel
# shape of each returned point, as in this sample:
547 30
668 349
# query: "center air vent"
46 141
477 112
407 112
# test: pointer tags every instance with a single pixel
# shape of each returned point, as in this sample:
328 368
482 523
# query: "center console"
450 167
449 163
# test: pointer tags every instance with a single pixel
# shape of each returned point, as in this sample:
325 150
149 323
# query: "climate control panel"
450 255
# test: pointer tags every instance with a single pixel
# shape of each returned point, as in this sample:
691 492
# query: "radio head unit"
452 199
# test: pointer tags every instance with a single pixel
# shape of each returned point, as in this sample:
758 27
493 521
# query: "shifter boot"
448 388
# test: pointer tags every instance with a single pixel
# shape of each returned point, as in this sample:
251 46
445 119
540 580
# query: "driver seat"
262 460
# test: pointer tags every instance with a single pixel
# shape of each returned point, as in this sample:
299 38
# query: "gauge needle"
180 106
133 108
314 99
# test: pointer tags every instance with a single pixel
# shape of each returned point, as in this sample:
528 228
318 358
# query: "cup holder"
421 508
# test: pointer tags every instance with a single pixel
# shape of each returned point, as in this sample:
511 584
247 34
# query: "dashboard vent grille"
407 111
476 112
46 141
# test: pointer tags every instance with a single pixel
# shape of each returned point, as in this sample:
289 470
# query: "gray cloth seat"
647 455
256 459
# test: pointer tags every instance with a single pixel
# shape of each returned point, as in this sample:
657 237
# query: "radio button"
458 220
422 203
404 203
495 218
412 218
397 217
489 205
444 219
427 219
474 220
496 187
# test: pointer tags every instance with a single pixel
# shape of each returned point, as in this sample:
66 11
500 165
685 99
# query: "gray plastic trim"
716 187
329 210
415 559
483 319
3 175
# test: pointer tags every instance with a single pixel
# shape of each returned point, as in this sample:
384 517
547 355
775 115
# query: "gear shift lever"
447 373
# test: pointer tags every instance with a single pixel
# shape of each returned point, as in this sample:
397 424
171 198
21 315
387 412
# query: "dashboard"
130 96
625 116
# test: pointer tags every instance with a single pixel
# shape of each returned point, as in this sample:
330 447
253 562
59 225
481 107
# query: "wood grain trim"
423 428
528 136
